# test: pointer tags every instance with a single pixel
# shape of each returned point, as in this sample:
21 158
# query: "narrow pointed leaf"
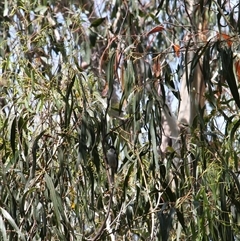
11 221
97 22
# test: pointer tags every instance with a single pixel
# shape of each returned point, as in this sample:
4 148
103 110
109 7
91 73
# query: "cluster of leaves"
58 59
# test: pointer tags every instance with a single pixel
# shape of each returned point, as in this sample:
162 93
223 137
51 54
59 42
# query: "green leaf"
154 142
34 153
23 200
234 129
3 229
13 134
54 198
93 38
96 159
110 73
11 221
228 74
97 22
41 9
68 107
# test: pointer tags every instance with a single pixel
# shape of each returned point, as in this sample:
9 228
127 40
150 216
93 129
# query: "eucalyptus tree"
156 80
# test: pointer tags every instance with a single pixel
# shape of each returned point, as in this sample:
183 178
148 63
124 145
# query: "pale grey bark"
192 83
192 86
170 133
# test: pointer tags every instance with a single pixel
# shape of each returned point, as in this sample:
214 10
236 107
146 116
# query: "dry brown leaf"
105 90
156 29
237 67
157 67
176 49
225 37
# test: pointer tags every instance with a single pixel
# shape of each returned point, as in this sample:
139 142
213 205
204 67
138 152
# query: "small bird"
112 159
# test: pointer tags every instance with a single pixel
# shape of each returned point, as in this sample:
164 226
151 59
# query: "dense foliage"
79 76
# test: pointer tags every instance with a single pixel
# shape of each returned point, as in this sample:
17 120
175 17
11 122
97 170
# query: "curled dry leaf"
176 49
156 29
223 36
237 68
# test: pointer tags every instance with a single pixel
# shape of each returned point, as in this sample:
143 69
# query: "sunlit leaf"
41 9
8 217
3 229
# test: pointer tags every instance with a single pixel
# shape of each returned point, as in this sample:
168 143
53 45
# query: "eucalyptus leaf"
8 217
3 229
54 198
97 22
150 79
